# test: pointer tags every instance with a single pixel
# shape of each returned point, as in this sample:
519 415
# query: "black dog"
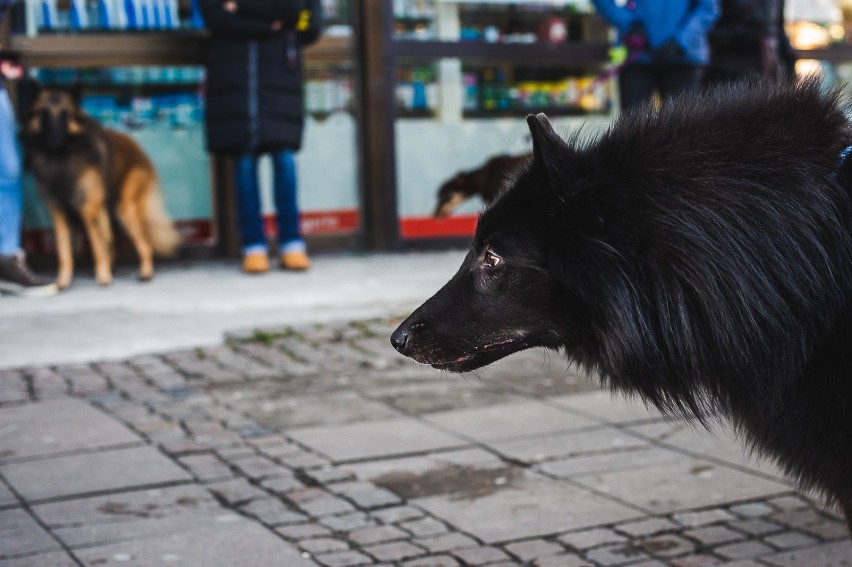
699 255
487 181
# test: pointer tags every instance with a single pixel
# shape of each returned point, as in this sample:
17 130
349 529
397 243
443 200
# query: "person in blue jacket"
666 41
16 278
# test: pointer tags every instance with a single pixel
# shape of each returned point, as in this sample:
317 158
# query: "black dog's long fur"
699 255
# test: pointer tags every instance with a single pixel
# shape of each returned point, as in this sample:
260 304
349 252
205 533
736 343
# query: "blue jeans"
10 180
286 206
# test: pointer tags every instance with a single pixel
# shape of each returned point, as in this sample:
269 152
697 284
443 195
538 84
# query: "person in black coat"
255 106
749 38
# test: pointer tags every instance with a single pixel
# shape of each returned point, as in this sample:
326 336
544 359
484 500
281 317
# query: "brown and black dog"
487 181
91 176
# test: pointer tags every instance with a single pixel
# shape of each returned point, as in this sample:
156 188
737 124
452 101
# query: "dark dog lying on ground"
91 175
487 181
699 256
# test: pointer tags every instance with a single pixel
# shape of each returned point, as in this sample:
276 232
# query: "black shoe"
17 279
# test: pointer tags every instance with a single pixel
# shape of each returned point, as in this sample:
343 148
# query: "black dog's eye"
492 259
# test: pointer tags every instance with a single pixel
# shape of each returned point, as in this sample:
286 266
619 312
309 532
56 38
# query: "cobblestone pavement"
320 446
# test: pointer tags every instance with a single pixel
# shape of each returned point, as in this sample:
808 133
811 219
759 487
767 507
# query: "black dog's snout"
401 338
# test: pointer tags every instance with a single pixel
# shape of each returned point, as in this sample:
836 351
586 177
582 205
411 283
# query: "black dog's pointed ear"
552 155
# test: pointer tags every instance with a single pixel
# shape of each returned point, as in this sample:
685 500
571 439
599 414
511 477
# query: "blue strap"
843 155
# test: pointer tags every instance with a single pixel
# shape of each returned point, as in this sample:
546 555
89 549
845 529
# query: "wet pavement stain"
460 482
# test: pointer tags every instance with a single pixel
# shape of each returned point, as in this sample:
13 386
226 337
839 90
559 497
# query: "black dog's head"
55 114
505 297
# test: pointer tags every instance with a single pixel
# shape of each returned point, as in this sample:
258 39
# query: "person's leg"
675 79
253 240
11 200
15 276
292 245
636 84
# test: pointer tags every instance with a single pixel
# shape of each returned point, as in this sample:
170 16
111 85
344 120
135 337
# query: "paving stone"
647 527
698 560
563 560
743 550
752 510
809 521
369 497
272 511
702 518
714 535
378 438
532 549
206 467
92 472
367 536
6 497
587 539
756 526
432 561
21 535
668 545
614 408
397 514
480 555
787 503
347 522
393 551
328 475
446 542
837 554
305 411
281 484
616 554
323 545
344 559
227 543
424 527
790 540
56 426
236 491
302 531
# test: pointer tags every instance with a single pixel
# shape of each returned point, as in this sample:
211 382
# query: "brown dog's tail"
165 239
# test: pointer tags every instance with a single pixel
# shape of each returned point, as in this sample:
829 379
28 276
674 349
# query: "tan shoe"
256 263
295 260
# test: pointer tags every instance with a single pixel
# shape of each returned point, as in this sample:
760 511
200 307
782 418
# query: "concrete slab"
609 407
719 443
837 554
52 558
20 535
508 421
126 515
290 411
119 469
6 497
606 440
220 544
631 458
192 304
44 428
479 494
681 484
378 438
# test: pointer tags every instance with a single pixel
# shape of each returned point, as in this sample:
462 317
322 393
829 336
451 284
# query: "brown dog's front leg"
96 221
64 254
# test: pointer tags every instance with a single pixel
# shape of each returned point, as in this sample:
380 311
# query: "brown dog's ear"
555 158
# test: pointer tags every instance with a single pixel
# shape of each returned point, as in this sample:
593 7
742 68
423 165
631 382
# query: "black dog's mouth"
482 355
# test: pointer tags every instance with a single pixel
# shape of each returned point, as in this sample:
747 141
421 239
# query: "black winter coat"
254 74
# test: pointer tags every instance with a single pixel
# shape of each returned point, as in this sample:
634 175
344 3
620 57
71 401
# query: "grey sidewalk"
313 443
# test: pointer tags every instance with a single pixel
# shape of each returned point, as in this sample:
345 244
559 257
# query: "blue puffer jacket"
685 21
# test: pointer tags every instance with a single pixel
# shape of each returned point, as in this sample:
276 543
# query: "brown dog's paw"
63 281
143 277
103 279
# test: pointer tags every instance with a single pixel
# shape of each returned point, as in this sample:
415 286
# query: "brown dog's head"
54 115
454 192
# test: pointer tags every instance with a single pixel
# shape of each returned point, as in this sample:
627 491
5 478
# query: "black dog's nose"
401 338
